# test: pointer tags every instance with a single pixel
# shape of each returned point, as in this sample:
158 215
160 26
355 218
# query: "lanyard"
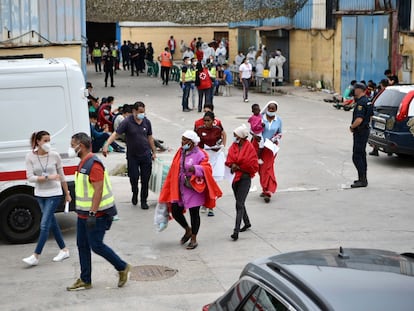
44 169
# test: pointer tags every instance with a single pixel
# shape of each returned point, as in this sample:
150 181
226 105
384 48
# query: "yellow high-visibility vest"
84 190
97 52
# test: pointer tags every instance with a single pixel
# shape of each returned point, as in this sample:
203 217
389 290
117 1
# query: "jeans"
241 190
186 94
48 207
140 166
245 83
206 94
92 239
97 61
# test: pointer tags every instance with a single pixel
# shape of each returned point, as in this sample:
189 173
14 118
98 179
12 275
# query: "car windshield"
389 98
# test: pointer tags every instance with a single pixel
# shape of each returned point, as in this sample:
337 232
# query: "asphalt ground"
313 208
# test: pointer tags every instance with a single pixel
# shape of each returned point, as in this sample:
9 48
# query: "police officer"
186 81
97 57
360 129
109 62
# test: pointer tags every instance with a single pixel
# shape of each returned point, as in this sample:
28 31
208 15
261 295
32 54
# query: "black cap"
361 86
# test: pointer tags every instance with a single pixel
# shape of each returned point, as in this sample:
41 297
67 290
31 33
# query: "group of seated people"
103 121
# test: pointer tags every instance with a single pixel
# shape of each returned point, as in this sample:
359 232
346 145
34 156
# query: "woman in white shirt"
44 169
245 75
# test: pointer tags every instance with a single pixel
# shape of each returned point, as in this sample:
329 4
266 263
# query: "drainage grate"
151 273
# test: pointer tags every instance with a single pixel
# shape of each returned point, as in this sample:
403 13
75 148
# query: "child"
256 128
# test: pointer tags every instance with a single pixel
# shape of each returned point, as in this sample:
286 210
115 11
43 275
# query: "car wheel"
20 217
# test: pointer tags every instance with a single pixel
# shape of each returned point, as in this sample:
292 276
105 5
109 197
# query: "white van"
35 94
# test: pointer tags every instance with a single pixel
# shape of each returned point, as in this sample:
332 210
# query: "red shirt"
200 122
97 170
199 54
208 135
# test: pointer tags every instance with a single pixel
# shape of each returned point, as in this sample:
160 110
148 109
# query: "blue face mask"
271 114
186 147
236 140
140 116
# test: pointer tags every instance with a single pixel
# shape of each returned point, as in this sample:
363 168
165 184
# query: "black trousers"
359 155
241 190
109 72
140 167
165 74
177 212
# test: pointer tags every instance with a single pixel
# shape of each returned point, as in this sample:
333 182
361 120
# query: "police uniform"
187 70
363 109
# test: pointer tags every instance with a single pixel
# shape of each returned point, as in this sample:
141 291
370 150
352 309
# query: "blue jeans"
48 207
186 94
92 239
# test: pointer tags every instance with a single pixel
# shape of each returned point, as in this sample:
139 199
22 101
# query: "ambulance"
35 94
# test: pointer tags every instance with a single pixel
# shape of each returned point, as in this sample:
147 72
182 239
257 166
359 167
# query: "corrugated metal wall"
39 22
367 5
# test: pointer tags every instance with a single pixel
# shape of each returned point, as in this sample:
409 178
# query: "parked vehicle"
392 126
35 94
329 279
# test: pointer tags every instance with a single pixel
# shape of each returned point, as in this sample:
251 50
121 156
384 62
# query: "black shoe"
186 110
374 153
267 198
144 205
359 184
112 85
245 228
134 199
235 236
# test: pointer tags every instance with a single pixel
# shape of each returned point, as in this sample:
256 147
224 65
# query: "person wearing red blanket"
188 185
243 162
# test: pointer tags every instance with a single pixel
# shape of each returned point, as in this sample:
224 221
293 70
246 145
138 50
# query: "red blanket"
245 158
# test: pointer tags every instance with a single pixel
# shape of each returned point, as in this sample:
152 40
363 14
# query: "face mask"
247 62
188 63
186 147
271 114
140 116
72 152
46 147
236 140
195 63
278 53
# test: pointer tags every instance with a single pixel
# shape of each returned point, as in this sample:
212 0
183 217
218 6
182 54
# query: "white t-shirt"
246 71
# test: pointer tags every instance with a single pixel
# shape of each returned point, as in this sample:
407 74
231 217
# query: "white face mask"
236 139
46 147
271 113
72 153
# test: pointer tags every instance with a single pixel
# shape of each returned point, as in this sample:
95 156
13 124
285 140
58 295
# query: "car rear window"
389 98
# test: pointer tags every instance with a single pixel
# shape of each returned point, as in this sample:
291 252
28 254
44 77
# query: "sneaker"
123 275
79 285
246 100
61 256
31 260
210 212
203 209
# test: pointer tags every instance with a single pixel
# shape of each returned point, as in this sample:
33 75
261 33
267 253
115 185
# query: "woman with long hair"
44 169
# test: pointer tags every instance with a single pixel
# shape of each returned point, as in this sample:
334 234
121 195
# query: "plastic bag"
161 217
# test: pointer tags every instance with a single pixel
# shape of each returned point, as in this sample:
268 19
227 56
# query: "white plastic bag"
161 217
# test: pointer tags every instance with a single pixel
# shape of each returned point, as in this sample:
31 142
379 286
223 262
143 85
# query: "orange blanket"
170 191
